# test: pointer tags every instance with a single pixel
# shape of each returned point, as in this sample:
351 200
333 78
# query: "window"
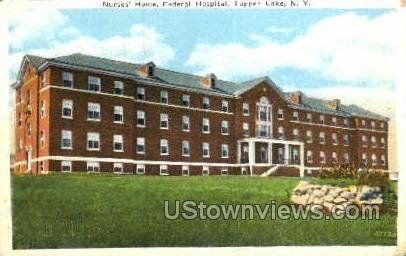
164 147
322 157
296 134
67 108
373 141
309 136
118 167
29 128
118 143
224 171
322 138
280 114
374 159
205 170
93 111
140 118
205 149
93 141
206 125
185 100
309 117
364 158
295 116
346 122
321 119
66 139
383 160
67 79
163 169
118 114
164 122
346 158
93 83
246 129
224 151
66 166
309 156
140 169
164 97
245 109
118 88
185 170
185 148
335 159
281 132
334 120
346 140
363 123
382 125
19 120
364 139
206 103
224 127
383 142
224 106
373 124
140 145
42 109
334 138
42 138
93 167
185 123
140 93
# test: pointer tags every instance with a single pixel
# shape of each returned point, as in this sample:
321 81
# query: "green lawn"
80 210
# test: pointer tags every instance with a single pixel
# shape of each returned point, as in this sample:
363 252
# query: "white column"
287 154
251 154
302 160
270 152
238 152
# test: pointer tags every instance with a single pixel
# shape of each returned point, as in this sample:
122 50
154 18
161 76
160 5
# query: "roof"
189 81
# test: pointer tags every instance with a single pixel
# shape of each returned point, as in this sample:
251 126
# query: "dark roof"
193 82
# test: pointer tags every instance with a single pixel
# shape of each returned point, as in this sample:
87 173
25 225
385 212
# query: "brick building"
84 113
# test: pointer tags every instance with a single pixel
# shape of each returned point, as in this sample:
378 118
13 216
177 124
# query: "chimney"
146 70
296 97
209 81
334 104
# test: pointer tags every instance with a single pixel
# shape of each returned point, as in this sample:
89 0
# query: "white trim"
337 127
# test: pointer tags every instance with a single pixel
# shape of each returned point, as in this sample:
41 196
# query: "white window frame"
118 166
346 157
224 106
67 76
334 157
93 165
334 137
206 145
374 160
118 139
163 117
373 124
93 136
67 104
118 85
281 132
281 114
66 134
186 120
206 122
333 120
224 124
118 110
185 170
364 158
93 107
42 138
141 92
309 136
321 119
245 109
163 170
373 141
42 111
296 135
323 157
346 122
383 160
140 142
187 144
164 143
309 117
224 148
93 80
140 167
141 116
66 164
246 129
164 97
363 123
186 100
205 170
206 102
309 156
322 138
346 139
295 116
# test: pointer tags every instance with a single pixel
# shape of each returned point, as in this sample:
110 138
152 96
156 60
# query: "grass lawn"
80 210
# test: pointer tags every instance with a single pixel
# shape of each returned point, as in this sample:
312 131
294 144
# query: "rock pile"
329 196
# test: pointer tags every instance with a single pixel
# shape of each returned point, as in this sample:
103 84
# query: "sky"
326 53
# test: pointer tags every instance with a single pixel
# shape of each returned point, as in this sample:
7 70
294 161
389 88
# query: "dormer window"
209 81
146 70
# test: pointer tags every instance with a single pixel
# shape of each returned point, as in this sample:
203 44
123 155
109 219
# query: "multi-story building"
84 113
